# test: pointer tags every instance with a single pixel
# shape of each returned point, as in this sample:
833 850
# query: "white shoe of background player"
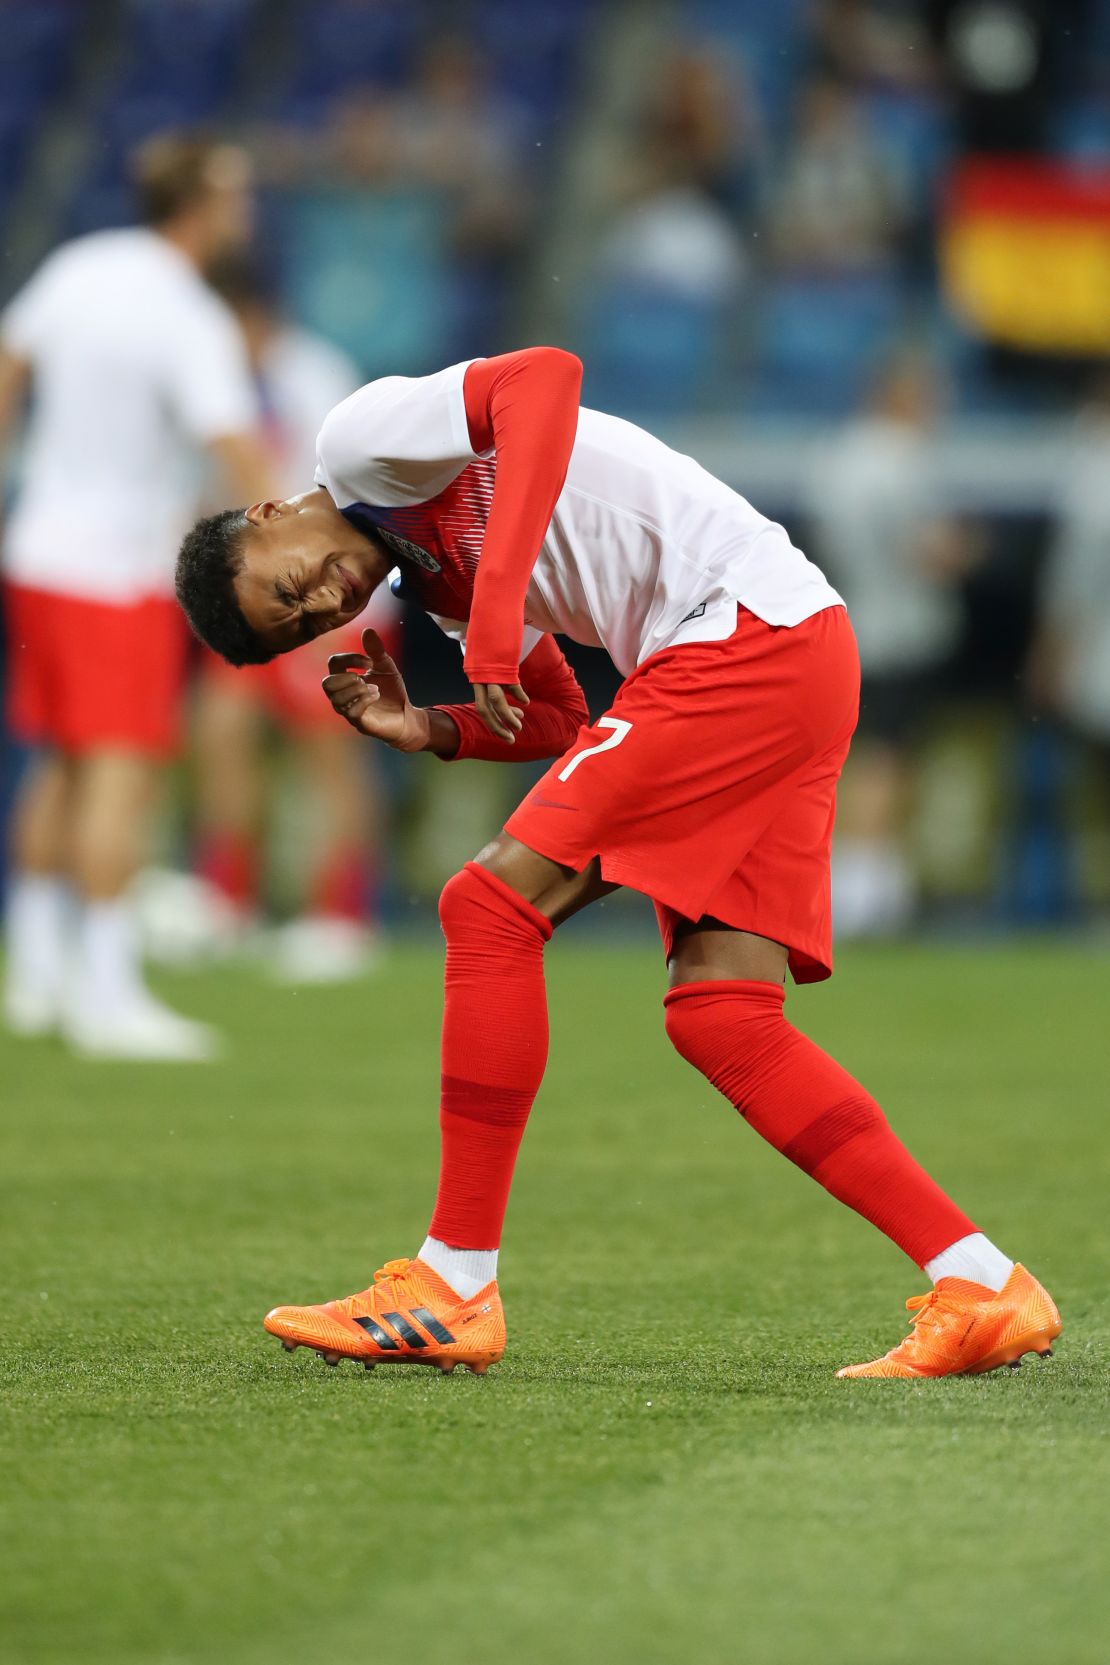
30 1011
137 1027
321 949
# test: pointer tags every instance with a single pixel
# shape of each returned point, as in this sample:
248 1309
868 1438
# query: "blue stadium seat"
343 44
535 65
649 351
1081 131
820 339
37 43
15 131
914 132
196 48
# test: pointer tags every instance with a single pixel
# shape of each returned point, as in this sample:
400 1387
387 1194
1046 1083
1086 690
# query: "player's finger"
348 662
355 712
339 682
488 713
374 650
518 694
508 714
360 695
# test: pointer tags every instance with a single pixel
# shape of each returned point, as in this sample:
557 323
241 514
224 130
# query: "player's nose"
325 598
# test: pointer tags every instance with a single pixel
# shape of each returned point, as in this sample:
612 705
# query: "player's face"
305 570
228 206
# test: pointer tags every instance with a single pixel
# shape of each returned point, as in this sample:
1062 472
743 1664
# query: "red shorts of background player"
710 785
288 689
86 675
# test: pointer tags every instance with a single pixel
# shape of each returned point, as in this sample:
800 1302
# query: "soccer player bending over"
514 515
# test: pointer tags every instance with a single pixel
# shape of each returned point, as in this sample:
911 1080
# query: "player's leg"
873 887
497 915
443 1306
110 1011
333 937
229 787
724 1014
39 896
116 727
38 893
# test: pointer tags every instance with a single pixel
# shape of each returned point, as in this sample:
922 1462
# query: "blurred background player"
299 377
134 366
1070 658
898 561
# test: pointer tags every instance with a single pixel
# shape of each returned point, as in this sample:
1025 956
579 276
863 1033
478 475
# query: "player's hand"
491 701
368 691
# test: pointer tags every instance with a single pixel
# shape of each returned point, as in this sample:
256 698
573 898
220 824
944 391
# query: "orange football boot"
407 1316
964 1328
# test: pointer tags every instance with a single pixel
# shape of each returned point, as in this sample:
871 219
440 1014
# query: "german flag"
1025 253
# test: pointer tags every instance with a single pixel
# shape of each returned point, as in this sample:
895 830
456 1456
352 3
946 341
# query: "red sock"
229 860
494 1051
342 887
811 1110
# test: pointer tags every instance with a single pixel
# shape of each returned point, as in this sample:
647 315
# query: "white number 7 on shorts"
620 729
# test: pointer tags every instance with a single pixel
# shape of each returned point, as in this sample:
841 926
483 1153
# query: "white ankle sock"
106 966
466 1270
974 1258
38 918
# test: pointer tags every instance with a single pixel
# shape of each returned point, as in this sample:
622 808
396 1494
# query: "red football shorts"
83 675
710 785
288 688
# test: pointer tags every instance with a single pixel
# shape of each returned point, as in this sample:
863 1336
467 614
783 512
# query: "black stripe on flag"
404 1329
438 1331
376 1333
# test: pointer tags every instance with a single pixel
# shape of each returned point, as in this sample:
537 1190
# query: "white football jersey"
135 363
645 549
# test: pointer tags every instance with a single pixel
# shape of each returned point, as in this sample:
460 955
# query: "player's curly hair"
208 563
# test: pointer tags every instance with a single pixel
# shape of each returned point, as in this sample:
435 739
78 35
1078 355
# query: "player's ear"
259 513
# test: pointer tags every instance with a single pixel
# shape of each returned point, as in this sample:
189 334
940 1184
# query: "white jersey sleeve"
396 441
210 384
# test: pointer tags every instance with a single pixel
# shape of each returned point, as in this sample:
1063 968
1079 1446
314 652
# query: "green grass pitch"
663 1469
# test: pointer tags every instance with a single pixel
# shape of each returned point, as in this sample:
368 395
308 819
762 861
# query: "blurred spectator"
872 43
702 128
671 264
299 378
134 366
677 241
897 563
839 203
673 228
1070 667
448 131
453 134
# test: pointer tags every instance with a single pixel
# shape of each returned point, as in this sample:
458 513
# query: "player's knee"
456 903
476 906
684 1024
737 1020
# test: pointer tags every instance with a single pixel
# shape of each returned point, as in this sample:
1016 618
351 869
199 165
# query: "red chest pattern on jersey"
448 528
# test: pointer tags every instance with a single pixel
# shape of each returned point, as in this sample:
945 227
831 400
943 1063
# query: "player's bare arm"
14 378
